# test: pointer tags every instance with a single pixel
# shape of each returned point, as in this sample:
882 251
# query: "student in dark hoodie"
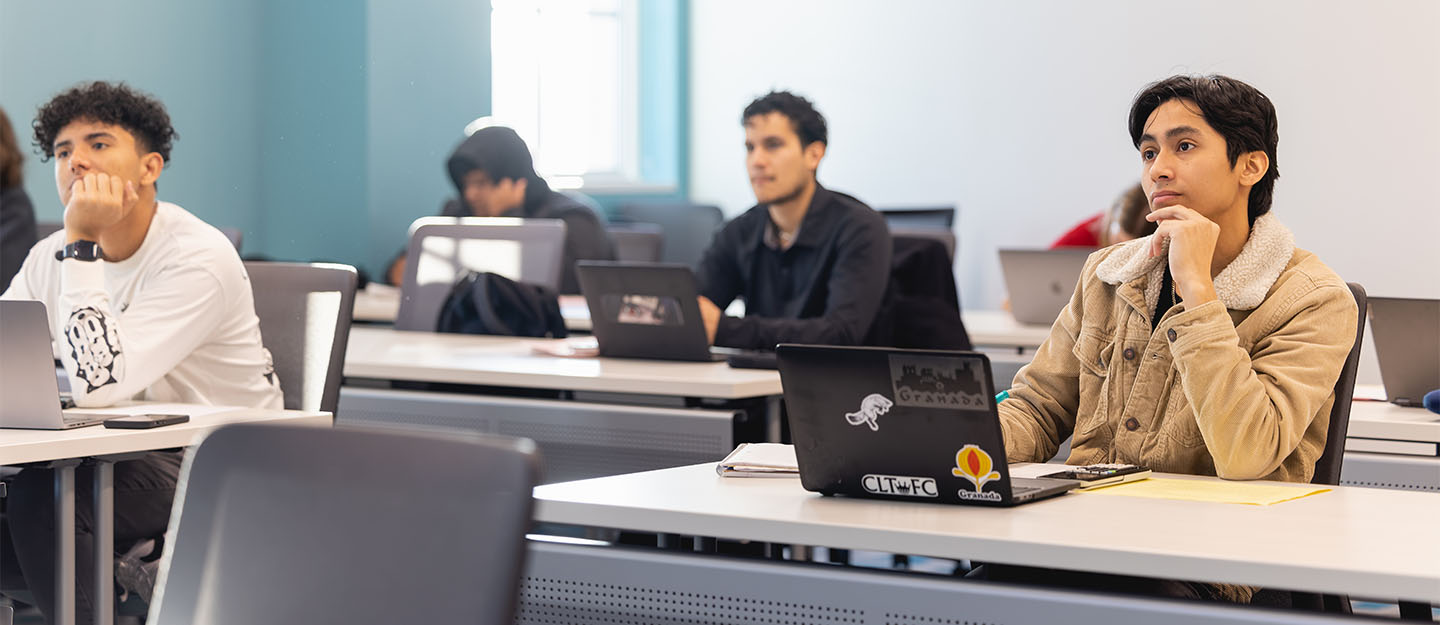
495 177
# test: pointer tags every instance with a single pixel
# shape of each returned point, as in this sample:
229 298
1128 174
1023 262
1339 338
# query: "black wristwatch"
88 251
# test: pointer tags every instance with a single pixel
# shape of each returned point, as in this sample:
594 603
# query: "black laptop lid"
895 424
644 310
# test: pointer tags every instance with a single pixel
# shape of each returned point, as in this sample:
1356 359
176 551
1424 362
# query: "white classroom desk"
379 303
96 441
1350 541
386 354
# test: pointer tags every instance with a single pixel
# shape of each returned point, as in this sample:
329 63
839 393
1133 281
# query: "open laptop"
1407 343
645 310
29 394
901 424
1040 282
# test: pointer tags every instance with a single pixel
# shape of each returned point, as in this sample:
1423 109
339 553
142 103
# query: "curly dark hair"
809 124
108 103
1239 112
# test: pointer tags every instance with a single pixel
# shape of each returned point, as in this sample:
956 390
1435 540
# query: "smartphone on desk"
145 421
1097 475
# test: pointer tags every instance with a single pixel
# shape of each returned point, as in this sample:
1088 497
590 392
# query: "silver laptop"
1040 282
1407 343
29 394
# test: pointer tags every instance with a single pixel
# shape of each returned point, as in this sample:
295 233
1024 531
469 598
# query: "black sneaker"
135 572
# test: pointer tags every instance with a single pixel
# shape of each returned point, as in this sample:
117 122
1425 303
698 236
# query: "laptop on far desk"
29 394
645 310
1407 344
902 425
1040 282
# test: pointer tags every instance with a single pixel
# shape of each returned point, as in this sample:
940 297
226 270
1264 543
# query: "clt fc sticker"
973 464
901 485
871 408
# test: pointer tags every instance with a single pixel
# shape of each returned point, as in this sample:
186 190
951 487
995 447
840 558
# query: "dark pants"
144 490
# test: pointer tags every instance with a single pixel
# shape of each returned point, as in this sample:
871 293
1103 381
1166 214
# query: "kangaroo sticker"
872 407
973 464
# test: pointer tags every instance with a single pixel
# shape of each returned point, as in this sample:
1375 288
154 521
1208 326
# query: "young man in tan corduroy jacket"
1211 347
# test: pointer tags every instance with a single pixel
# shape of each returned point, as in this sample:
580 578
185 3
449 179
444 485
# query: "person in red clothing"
1124 221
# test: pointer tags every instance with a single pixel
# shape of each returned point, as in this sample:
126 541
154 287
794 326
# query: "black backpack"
486 303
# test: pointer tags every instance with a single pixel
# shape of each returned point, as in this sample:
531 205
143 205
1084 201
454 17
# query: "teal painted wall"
312 150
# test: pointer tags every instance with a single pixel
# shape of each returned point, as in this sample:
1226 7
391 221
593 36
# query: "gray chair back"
1327 468
637 242
236 236
947 237
305 311
46 228
442 249
927 217
288 524
687 228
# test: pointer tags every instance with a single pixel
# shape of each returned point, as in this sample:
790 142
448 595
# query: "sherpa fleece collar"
1242 285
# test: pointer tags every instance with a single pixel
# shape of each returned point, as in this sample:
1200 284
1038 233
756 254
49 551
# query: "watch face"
83 250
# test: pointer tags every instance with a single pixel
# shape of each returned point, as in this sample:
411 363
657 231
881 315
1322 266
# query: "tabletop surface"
21 446
1379 419
383 353
1359 541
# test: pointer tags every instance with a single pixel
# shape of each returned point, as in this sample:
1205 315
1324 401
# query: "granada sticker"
976 466
871 408
938 382
902 485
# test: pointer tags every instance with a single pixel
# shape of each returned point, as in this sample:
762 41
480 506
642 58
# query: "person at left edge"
147 302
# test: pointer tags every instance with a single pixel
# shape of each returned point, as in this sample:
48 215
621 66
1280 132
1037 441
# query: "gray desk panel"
573 585
577 440
1391 471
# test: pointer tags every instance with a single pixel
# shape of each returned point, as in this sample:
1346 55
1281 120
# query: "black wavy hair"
1239 112
109 103
809 124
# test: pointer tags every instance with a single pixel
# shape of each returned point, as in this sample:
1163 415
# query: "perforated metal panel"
577 440
1391 471
587 585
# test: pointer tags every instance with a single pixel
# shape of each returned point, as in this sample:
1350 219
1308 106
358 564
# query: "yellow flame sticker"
972 463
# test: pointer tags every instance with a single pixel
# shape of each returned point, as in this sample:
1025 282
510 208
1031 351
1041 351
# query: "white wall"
1015 112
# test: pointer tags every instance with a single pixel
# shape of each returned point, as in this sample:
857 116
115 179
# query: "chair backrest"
305 311
442 249
637 242
46 228
235 235
928 217
287 524
687 228
946 237
1327 468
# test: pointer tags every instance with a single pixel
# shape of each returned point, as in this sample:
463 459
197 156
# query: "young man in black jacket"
811 264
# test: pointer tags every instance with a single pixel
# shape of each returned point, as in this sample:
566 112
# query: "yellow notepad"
1212 491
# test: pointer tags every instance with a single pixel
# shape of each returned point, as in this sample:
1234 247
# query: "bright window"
564 77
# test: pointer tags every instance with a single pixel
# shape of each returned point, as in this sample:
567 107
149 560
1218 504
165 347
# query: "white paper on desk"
760 460
125 410
579 347
1036 469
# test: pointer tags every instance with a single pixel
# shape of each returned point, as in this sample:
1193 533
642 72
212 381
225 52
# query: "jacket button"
1170 334
1129 353
1132 424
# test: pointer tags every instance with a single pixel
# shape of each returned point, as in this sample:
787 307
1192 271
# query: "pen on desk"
1002 396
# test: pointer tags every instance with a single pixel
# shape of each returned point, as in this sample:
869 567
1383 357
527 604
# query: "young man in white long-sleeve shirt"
147 302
